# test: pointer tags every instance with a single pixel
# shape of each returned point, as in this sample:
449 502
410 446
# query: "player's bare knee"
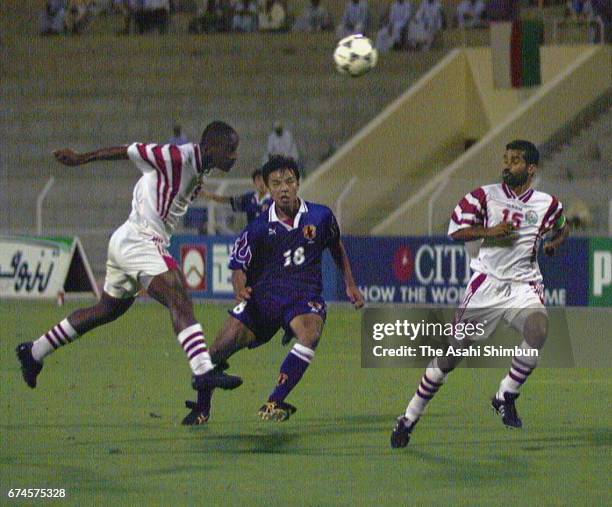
233 337
107 315
309 338
309 342
307 330
116 308
535 330
243 341
234 331
105 312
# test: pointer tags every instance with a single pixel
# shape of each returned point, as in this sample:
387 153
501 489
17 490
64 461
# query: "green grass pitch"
104 424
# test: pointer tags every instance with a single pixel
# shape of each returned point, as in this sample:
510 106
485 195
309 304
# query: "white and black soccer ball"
355 55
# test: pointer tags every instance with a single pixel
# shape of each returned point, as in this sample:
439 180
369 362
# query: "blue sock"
291 371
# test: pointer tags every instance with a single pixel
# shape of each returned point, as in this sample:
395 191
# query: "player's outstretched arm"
341 259
70 157
559 237
211 196
503 230
239 280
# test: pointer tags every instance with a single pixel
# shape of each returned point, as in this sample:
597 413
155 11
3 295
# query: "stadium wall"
377 150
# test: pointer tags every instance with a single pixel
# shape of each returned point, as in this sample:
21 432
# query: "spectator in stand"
578 214
158 14
52 19
127 8
470 14
396 20
209 17
602 9
315 18
178 138
579 8
426 25
147 15
272 17
141 18
78 15
354 20
280 142
252 203
244 17
502 10
593 10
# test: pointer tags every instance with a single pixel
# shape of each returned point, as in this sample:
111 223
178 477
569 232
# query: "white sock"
520 369
56 337
431 381
304 353
194 345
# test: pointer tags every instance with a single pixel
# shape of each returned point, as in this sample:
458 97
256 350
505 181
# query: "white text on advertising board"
221 273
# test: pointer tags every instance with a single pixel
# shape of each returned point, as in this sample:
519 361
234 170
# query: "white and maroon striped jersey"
534 214
171 179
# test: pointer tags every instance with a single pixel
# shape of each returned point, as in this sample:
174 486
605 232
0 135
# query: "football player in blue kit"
277 279
252 203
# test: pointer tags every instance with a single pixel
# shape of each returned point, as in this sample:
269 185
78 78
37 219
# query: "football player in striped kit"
137 252
511 219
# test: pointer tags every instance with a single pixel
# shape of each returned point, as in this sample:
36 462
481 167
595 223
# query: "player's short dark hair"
532 155
279 162
218 132
255 173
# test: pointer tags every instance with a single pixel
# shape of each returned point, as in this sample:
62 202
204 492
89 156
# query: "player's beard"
514 180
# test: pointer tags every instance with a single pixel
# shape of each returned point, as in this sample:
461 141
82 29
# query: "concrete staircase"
579 172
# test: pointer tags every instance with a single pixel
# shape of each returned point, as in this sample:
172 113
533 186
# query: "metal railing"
610 218
587 23
222 187
430 206
40 199
341 198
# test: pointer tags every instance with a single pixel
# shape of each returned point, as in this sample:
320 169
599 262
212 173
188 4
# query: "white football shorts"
488 301
134 258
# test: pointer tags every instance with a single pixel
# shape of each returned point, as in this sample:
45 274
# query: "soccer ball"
355 55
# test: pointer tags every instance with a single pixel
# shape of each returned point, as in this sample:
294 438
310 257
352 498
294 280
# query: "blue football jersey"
249 203
286 258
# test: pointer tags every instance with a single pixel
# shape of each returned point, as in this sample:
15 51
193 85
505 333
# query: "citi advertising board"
436 270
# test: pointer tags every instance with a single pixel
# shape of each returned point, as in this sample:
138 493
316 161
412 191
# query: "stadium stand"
100 89
455 101
580 170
